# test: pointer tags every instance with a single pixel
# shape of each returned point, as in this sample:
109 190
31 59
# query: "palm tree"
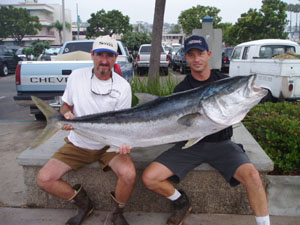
156 40
59 27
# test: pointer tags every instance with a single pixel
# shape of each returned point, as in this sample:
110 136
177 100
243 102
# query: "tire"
166 71
268 98
182 69
40 117
174 67
4 70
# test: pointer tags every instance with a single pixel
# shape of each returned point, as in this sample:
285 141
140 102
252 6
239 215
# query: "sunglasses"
97 92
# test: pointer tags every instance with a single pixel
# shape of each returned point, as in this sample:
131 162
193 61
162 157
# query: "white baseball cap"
105 44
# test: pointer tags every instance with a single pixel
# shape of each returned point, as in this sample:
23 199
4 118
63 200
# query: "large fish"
190 115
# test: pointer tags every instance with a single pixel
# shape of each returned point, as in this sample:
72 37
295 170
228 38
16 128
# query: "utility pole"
64 21
78 22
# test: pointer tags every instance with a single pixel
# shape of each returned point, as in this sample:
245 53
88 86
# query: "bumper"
53 99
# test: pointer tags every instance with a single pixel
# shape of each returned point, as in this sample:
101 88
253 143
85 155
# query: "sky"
143 10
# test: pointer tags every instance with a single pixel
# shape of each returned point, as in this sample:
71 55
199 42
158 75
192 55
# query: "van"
281 77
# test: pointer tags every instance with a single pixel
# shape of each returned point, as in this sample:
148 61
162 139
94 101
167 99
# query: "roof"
269 42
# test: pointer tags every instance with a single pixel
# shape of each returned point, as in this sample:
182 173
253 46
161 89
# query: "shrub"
161 87
276 127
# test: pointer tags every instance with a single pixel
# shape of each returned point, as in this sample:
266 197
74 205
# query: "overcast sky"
143 10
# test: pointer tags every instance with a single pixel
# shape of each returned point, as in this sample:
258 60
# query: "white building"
48 14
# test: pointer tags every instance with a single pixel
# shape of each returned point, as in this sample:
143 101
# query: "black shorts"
225 156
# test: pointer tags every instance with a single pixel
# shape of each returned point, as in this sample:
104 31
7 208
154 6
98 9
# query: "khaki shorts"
77 157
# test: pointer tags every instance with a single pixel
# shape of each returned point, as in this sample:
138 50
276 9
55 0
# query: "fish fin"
46 134
188 120
191 142
47 110
145 97
112 149
51 117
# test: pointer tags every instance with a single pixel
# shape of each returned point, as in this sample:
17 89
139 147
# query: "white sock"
263 220
174 196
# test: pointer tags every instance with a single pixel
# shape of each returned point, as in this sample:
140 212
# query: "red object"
138 57
291 86
18 72
117 69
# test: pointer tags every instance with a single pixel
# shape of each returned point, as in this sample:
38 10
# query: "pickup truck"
143 59
279 75
47 79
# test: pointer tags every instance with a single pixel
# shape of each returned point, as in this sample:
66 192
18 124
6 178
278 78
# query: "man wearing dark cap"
92 90
216 149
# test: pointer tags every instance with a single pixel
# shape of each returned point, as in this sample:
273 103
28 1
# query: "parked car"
172 52
8 61
21 54
179 62
226 55
48 54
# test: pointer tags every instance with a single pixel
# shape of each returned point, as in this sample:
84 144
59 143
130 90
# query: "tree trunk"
156 40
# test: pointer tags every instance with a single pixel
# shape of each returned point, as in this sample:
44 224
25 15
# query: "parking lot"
17 129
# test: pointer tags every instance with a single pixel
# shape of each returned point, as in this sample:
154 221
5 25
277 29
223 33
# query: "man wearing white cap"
92 90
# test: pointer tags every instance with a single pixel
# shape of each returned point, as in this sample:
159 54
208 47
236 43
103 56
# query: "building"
48 14
173 38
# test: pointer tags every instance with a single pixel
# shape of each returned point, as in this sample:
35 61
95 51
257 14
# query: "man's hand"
68 115
124 149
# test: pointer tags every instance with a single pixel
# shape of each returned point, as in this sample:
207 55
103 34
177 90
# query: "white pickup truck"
280 76
47 79
143 59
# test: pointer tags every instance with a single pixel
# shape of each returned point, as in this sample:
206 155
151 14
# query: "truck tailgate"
47 75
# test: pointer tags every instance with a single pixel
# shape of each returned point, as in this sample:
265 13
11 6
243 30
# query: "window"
269 51
80 46
147 49
237 53
245 53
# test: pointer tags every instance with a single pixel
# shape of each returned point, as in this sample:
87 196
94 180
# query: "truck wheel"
4 70
40 117
268 98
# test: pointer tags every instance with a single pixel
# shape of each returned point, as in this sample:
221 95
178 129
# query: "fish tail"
51 117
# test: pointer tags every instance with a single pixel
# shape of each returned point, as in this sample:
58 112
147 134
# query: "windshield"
147 49
79 46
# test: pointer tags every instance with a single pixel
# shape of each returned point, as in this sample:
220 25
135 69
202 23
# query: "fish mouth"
252 86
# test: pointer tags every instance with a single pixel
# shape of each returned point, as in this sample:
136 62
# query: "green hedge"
276 127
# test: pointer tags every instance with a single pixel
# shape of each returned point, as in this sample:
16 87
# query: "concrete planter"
284 195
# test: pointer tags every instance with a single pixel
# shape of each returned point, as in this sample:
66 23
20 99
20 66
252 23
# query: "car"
8 61
179 61
21 54
49 54
172 52
226 55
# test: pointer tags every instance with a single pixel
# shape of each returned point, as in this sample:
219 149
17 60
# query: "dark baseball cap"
195 41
